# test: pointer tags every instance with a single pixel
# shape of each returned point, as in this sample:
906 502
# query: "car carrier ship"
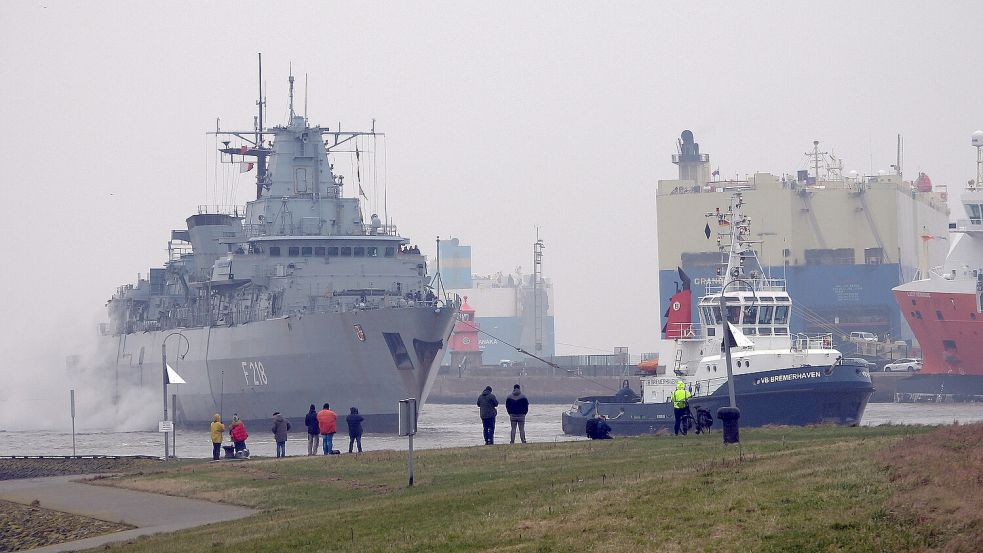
841 240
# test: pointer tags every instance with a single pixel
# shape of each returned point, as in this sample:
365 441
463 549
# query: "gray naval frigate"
298 300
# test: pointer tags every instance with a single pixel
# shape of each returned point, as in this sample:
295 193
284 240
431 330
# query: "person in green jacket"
680 403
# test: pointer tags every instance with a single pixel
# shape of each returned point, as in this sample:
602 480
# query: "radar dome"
978 139
687 136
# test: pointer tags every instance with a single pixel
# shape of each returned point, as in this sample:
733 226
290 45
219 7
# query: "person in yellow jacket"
217 428
680 405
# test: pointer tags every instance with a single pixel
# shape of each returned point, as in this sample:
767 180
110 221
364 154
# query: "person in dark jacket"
487 402
597 429
517 406
313 431
354 421
280 428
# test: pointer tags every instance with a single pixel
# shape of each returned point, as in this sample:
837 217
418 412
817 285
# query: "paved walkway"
151 513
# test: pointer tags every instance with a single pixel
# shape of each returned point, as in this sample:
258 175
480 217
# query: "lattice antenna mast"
537 280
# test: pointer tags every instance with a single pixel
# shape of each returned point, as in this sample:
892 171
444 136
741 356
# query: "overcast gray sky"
499 116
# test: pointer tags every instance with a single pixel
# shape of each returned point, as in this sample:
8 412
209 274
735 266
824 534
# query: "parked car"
859 362
863 337
910 365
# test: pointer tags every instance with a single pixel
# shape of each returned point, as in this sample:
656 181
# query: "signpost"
407 427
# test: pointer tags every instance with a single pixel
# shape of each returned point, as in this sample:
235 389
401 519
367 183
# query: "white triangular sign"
740 338
173 377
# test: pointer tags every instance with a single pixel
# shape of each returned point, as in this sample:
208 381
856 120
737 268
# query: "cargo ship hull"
286 364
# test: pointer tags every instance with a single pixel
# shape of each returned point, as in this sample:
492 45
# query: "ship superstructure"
841 240
512 309
297 298
945 306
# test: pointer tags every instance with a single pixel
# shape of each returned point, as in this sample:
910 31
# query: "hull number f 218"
254 373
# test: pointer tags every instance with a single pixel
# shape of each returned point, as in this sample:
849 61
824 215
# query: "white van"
863 337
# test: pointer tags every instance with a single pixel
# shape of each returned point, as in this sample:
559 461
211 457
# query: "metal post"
730 370
163 355
72 395
174 433
409 466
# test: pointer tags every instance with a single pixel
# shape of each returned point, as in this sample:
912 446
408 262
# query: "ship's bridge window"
764 314
293 251
332 251
750 314
734 314
765 299
975 213
346 251
319 251
358 251
390 252
715 315
749 331
764 331
781 315
707 316
372 251
307 251
274 251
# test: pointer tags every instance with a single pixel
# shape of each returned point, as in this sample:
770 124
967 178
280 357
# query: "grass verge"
785 489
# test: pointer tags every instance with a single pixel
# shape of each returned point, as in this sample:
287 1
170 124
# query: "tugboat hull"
799 396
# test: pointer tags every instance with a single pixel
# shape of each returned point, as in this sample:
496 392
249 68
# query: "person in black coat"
597 429
517 406
487 403
354 421
313 431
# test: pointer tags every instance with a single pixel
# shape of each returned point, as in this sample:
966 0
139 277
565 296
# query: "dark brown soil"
13 469
26 527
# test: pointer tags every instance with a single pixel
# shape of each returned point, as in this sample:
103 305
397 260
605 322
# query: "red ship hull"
948 329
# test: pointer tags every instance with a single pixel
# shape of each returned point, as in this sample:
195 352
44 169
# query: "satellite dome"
978 139
687 136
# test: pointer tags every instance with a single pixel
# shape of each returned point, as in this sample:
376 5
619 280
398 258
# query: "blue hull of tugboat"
800 396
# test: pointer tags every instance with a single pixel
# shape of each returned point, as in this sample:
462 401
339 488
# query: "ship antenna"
305 99
291 79
260 155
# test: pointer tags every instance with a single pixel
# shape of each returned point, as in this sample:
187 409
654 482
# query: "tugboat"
779 378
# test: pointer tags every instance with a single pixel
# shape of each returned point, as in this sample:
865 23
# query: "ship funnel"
693 166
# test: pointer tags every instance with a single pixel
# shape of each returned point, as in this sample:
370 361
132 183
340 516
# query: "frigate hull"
367 359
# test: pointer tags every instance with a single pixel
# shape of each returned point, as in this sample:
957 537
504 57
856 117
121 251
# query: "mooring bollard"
729 417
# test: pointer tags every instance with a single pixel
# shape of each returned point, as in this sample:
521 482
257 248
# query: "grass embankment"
802 489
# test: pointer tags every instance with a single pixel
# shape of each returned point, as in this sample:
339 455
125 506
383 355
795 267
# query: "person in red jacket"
237 431
327 422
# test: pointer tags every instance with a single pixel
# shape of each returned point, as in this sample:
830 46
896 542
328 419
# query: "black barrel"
728 417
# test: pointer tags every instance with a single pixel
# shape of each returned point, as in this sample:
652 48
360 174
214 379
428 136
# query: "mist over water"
42 368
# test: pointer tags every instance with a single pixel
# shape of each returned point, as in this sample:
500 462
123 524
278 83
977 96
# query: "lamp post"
163 355
730 415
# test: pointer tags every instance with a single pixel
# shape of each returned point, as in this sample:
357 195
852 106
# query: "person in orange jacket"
327 422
